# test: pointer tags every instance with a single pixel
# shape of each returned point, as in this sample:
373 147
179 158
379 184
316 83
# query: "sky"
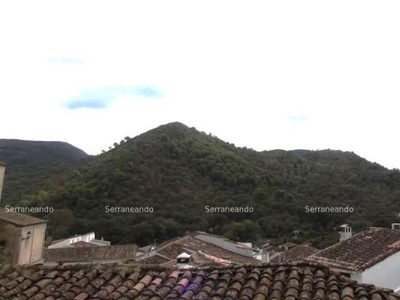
260 74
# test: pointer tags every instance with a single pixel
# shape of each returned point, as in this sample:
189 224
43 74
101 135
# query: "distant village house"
21 236
371 256
83 240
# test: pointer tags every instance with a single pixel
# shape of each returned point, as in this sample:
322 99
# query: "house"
371 256
305 281
85 248
21 236
22 242
271 253
201 253
83 240
286 252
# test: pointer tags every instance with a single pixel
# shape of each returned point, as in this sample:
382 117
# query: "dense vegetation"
31 163
20 153
179 171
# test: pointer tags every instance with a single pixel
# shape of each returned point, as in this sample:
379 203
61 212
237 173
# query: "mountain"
17 153
184 175
29 163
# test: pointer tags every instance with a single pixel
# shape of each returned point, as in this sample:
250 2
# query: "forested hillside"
20 153
179 171
31 163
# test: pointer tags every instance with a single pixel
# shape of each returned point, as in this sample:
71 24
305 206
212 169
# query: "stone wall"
9 242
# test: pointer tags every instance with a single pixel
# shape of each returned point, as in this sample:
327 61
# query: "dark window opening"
183 260
3 244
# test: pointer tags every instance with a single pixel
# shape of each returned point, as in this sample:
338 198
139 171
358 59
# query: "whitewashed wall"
384 274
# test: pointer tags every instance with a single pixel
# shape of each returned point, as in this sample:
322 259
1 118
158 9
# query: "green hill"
20 153
180 172
30 163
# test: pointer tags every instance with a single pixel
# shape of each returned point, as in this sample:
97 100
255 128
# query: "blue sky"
266 75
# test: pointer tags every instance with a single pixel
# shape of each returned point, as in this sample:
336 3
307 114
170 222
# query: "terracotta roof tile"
361 251
88 254
299 252
202 253
155 259
82 296
300 281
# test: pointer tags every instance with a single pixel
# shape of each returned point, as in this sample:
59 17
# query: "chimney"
395 225
265 257
345 232
2 171
183 260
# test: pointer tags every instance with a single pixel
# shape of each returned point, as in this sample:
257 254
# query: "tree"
61 217
244 231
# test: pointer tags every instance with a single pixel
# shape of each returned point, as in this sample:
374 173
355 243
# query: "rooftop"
18 219
361 251
202 253
100 242
88 254
305 281
82 244
83 240
299 252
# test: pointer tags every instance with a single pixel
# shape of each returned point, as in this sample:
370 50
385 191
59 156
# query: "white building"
83 240
371 256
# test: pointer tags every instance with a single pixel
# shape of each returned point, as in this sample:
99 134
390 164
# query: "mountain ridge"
54 152
179 171
30 163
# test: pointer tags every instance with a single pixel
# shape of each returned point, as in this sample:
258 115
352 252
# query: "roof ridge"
133 265
166 243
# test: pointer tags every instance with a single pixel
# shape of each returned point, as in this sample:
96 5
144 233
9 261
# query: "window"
3 244
396 226
183 260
